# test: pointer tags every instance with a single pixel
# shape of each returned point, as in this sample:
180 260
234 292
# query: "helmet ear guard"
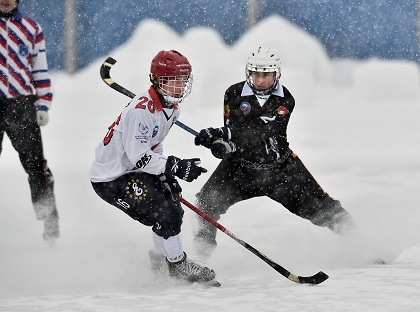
263 59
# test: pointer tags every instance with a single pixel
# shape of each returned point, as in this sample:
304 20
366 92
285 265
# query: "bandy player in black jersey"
256 157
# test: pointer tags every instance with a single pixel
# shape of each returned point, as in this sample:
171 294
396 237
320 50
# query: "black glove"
221 149
185 169
172 185
206 137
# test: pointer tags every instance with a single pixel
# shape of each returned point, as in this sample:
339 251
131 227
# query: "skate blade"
212 283
378 261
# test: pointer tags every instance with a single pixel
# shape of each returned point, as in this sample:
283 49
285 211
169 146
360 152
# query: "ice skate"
192 272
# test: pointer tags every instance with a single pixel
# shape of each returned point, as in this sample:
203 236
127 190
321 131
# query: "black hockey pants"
143 197
18 121
289 184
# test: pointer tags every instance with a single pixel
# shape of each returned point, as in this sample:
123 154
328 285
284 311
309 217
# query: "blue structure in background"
347 28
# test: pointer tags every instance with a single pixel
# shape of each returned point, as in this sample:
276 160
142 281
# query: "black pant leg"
25 136
225 187
143 197
1 139
298 191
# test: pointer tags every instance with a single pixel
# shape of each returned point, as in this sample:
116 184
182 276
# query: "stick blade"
110 60
316 279
105 68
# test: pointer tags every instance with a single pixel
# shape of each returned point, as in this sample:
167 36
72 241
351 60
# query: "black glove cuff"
221 149
170 165
172 185
207 136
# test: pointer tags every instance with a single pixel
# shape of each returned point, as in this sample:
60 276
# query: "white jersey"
134 141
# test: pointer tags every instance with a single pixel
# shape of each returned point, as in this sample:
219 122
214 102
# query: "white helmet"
263 59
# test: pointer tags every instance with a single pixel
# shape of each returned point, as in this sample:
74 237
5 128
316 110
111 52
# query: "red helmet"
168 67
170 63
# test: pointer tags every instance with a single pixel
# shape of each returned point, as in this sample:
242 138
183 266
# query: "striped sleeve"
40 76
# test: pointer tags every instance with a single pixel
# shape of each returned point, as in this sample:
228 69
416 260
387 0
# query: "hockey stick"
314 279
106 77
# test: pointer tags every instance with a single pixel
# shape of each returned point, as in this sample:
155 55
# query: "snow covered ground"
355 126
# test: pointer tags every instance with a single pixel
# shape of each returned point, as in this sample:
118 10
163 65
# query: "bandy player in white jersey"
131 173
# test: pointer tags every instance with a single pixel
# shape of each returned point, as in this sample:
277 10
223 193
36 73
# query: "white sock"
158 241
174 248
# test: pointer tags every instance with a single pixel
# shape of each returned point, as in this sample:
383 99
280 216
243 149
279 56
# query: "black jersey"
260 132
263 165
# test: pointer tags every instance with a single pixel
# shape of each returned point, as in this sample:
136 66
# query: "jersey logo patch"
282 111
226 111
245 108
144 161
136 190
155 131
23 50
144 133
143 129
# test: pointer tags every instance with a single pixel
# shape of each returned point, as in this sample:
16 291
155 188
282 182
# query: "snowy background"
355 126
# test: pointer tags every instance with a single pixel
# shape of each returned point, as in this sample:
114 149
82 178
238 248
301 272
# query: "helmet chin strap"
166 100
171 100
267 91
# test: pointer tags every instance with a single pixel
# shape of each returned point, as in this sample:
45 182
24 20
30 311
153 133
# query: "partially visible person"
131 172
256 157
25 98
